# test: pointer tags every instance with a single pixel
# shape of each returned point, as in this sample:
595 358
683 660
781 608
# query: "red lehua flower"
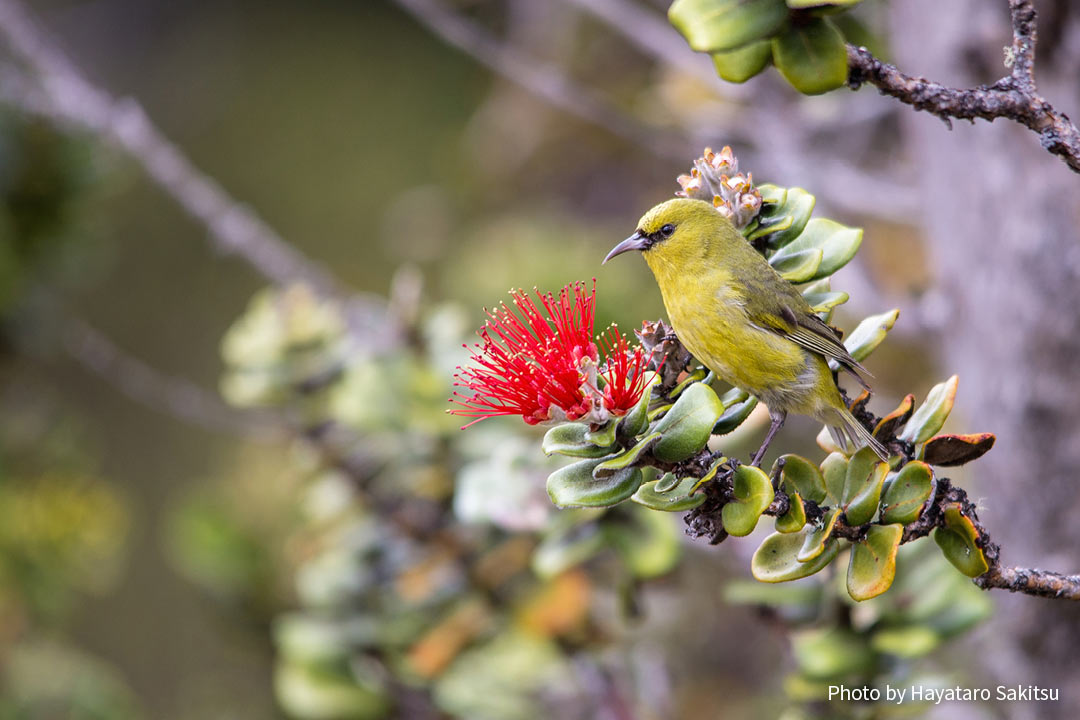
624 372
530 364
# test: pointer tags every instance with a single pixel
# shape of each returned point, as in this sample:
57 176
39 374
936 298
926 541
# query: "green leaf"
873 562
834 471
781 222
603 436
801 476
573 541
634 422
908 491
753 494
952 450
812 56
677 499
734 416
797 267
957 541
888 425
868 334
776 559
862 486
569 439
659 411
795 518
575 486
738 66
696 376
815 539
931 415
734 396
826 301
624 460
830 652
771 195
837 243
909 642
714 25
687 426
667 483
649 544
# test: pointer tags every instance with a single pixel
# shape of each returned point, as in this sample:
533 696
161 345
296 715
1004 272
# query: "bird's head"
678 231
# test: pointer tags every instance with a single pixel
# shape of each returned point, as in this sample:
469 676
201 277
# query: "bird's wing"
809 331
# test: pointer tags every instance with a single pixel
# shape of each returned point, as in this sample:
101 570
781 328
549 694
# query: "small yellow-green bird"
743 321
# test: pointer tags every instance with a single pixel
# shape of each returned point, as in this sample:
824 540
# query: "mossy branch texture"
1013 97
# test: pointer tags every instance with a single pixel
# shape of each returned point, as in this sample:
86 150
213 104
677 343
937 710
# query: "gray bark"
1001 218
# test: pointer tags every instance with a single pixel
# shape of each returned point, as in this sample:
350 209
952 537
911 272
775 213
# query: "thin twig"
1013 97
1042 583
541 79
178 397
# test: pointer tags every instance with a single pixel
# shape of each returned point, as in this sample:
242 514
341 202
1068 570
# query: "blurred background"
432 155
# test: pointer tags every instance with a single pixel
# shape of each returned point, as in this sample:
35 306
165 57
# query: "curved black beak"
637 241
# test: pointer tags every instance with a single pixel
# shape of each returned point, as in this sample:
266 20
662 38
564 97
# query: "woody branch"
1013 97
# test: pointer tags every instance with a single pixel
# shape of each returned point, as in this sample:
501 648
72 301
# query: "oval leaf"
775 561
687 426
753 494
837 243
696 376
911 641
603 436
951 450
569 439
862 486
825 301
873 562
626 459
667 483
931 415
734 396
575 486
782 222
797 267
738 66
907 493
891 423
634 422
834 472
714 25
734 416
801 476
561 551
795 518
677 499
812 56
828 653
957 541
868 334
816 539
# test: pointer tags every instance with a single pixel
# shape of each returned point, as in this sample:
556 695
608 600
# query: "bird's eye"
667 230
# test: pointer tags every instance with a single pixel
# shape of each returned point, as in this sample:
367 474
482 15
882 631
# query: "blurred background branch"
53 86
178 397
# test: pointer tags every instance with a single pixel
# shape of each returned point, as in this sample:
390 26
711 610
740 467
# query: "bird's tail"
850 433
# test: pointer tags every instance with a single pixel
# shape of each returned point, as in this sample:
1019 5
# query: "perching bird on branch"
743 321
